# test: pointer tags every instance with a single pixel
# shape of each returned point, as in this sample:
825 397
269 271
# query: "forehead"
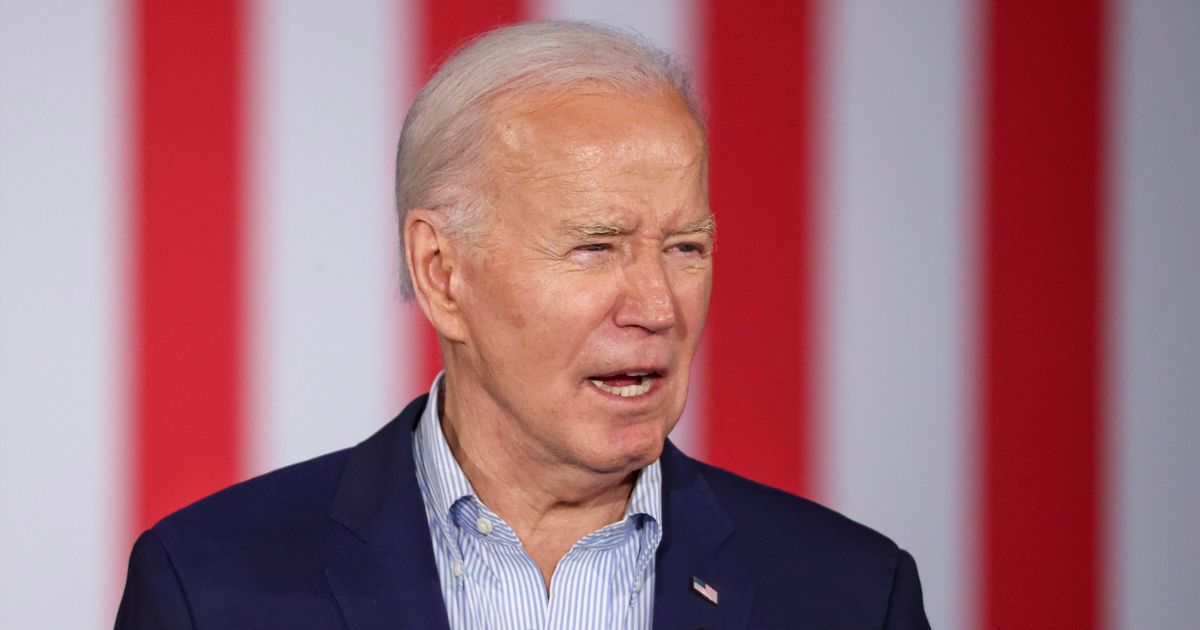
587 130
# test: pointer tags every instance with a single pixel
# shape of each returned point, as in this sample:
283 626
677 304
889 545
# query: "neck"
550 504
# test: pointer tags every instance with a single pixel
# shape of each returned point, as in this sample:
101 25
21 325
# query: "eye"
594 247
690 248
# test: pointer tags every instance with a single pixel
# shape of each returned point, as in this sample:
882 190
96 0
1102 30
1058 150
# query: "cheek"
543 319
569 308
692 291
493 304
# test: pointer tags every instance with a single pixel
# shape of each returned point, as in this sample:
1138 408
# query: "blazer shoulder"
770 513
257 554
850 575
291 510
279 512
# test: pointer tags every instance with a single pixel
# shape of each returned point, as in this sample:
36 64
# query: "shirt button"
456 568
637 586
484 526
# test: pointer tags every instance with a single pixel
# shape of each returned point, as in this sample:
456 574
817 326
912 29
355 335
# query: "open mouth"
625 384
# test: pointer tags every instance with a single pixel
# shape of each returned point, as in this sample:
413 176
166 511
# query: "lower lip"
656 386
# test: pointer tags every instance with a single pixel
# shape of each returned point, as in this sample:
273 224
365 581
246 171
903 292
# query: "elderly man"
556 232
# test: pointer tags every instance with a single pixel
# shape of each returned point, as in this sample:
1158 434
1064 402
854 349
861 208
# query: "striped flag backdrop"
957 293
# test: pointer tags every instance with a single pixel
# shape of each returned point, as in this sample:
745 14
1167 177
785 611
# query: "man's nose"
646 300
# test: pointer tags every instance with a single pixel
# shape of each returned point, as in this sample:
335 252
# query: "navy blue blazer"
341 541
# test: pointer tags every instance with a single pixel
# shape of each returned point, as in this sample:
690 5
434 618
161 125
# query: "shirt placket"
507 583
647 536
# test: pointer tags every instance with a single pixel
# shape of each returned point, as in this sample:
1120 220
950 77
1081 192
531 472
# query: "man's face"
585 299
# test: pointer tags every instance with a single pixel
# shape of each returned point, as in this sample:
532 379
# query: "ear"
433 259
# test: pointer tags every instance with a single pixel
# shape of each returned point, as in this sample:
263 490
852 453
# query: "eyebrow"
592 230
707 225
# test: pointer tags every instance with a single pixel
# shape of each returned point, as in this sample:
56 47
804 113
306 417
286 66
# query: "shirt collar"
443 482
647 493
442 479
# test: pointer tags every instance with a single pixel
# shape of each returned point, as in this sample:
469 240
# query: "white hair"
443 145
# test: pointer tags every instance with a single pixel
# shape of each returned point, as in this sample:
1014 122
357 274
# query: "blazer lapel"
389 578
695 525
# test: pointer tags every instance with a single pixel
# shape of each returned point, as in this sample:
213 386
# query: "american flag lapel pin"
705 591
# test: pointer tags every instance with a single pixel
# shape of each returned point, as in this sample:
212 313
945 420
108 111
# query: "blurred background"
957 288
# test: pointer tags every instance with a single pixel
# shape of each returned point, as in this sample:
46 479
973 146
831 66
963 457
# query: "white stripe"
673 26
670 24
897 267
326 86
62 204
1155 364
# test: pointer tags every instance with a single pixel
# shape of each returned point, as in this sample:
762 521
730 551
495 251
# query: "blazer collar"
388 577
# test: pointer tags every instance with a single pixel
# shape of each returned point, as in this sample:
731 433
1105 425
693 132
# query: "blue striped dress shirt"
605 581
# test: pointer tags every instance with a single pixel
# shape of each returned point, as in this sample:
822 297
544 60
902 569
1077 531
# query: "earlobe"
432 259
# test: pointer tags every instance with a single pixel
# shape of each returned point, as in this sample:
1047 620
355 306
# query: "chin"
626 453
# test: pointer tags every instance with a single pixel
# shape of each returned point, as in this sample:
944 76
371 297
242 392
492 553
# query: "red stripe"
1042 317
446 26
187 208
760 78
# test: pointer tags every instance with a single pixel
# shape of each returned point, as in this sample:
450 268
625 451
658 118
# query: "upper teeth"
625 391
